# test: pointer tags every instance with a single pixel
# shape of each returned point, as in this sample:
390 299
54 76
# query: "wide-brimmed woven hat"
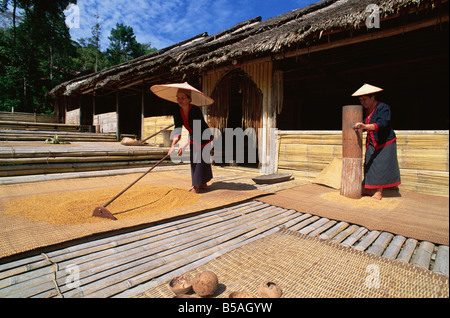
169 92
367 89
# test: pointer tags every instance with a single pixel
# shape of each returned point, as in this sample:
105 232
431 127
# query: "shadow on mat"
219 185
391 193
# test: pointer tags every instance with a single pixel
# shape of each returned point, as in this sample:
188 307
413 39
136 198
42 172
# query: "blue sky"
165 22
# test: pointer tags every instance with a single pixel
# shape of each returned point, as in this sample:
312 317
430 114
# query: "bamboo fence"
28 117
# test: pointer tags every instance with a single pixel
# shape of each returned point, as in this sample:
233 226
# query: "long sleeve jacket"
199 131
383 133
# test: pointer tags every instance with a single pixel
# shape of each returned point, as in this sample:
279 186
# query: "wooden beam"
367 37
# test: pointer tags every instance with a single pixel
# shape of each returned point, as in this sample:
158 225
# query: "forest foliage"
37 52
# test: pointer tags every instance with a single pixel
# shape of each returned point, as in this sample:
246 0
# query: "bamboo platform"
40 126
70 135
27 117
127 264
37 158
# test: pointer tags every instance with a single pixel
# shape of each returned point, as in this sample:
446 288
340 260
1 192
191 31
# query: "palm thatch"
304 27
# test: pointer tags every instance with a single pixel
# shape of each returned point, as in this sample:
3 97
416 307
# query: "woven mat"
411 214
19 234
331 175
305 267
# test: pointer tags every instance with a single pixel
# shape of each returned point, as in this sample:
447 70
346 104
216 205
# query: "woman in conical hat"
381 168
200 137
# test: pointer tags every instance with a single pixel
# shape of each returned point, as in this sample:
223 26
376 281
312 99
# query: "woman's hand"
180 151
172 149
359 126
174 142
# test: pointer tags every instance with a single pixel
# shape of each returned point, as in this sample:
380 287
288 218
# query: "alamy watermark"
373 20
373 280
73 276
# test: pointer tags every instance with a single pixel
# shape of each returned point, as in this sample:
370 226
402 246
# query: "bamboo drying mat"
411 214
306 267
19 234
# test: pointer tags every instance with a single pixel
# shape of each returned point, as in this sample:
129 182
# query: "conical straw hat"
169 92
367 89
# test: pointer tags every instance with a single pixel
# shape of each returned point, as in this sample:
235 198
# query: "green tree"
10 75
123 46
35 54
90 57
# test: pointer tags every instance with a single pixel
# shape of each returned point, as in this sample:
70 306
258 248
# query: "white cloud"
166 22
160 22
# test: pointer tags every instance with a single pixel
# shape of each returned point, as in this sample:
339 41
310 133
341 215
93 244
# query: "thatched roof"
247 40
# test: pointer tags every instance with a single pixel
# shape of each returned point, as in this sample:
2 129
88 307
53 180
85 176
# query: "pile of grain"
77 207
365 202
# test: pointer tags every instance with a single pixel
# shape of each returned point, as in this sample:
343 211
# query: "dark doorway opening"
236 115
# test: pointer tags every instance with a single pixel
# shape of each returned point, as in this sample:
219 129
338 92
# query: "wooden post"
117 115
141 137
80 119
351 178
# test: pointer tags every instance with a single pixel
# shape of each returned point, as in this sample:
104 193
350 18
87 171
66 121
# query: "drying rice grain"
364 202
77 207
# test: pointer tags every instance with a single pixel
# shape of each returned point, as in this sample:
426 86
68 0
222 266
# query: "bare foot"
378 194
194 189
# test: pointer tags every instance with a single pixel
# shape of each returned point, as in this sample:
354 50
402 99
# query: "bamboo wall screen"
260 73
423 157
251 102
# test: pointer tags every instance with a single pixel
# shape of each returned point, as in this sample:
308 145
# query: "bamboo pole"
422 255
335 230
308 219
313 226
380 244
322 228
354 237
50 160
341 236
407 251
367 240
351 178
394 247
442 260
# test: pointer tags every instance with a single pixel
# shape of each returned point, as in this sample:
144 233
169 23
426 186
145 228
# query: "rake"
103 212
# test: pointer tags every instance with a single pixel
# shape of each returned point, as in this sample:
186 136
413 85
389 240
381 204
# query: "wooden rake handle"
142 141
165 157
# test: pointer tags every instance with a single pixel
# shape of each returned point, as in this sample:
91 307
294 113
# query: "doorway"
236 114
